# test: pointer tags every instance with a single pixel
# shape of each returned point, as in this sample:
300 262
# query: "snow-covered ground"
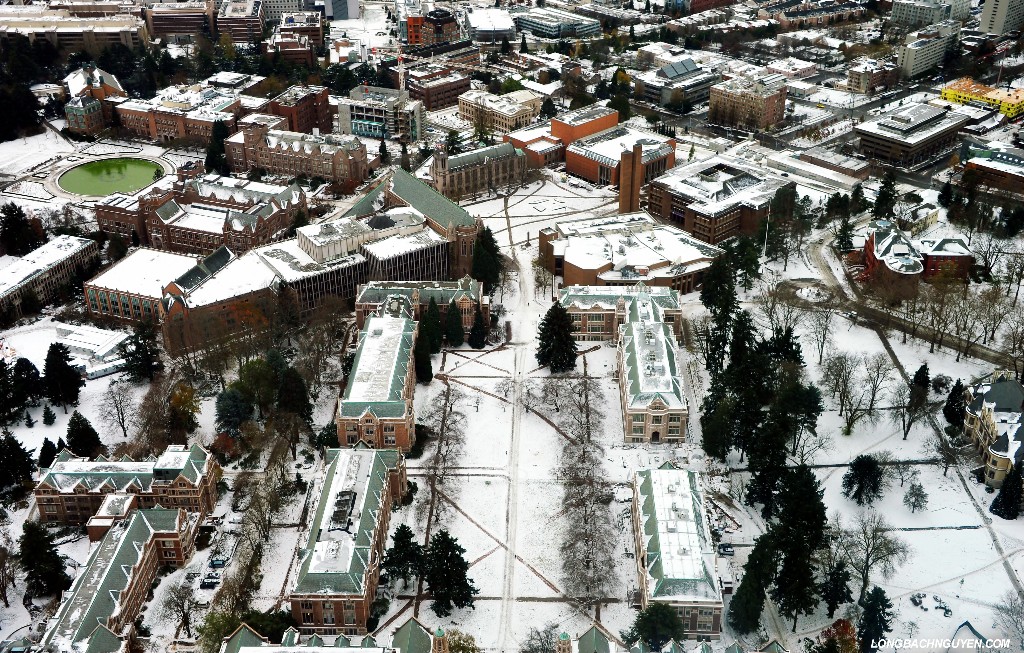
22 154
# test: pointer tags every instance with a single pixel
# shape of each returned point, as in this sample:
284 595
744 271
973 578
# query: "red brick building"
596 158
306 107
72 489
89 111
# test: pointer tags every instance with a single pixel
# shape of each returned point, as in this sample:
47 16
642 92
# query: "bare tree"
869 546
584 415
540 640
179 604
118 406
8 566
780 314
447 422
702 329
542 277
987 250
530 398
1013 269
1010 615
908 407
878 370
903 472
840 376
806 448
819 324
505 387
993 309
555 391
946 451
1013 338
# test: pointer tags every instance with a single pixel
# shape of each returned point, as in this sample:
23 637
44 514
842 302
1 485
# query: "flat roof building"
131 288
925 49
45 272
757 102
489 25
597 158
68 32
965 91
554 23
241 20
910 135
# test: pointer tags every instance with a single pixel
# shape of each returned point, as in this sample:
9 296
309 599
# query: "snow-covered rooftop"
39 261
144 272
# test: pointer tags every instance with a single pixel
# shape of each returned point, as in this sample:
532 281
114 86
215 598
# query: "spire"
563 645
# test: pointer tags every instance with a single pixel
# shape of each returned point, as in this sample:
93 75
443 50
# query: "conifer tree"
405 557
37 553
655 626
478 334
49 417
915 498
29 422
487 262
835 587
946 195
216 158
9 409
61 382
556 347
453 331
26 385
955 408
875 620
141 352
864 482
16 464
1007 502
47 452
748 601
82 437
421 358
844 233
232 409
445 571
293 397
431 326
922 379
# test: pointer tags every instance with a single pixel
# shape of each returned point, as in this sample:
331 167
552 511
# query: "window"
328 613
674 419
169 553
595 328
307 617
638 430
673 430
638 418
349 613
655 419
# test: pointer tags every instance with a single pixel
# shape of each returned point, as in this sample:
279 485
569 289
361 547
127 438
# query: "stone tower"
563 645
439 643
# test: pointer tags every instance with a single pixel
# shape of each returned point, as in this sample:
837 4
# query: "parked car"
213 575
725 549
218 562
209 584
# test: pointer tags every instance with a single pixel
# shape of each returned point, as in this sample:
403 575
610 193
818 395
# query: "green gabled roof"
640 647
477 157
93 598
416 194
704 647
412 637
243 636
443 292
342 642
290 637
593 641
773 647
102 640
650 379
350 581
734 648
390 402
368 642
315 640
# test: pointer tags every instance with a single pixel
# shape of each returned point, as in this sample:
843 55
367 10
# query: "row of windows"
640 418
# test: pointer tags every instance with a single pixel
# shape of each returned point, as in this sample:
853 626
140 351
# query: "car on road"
218 562
725 549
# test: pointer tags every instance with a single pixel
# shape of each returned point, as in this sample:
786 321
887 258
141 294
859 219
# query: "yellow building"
966 90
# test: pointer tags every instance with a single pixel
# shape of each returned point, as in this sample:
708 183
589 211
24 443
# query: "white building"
1002 16
915 13
792 68
924 50
489 25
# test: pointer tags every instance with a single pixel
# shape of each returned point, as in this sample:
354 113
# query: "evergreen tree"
16 464
216 158
49 417
555 345
506 47
445 571
37 553
522 45
47 452
844 233
655 626
82 437
718 294
17 235
748 601
548 108
61 382
27 386
453 331
478 334
405 557
946 195
955 408
385 156
487 263
875 620
141 352
835 587
886 199
431 327
915 498
232 410
293 397
9 409
922 379
116 248
61 445
421 358
858 202
29 422
1007 502
864 482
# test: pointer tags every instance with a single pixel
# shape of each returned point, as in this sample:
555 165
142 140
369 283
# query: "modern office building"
597 158
380 113
439 26
307 109
910 135
438 92
917 13
869 75
555 23
682 82
489 25
241 20
1001 16
181 20
923 50
68 32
